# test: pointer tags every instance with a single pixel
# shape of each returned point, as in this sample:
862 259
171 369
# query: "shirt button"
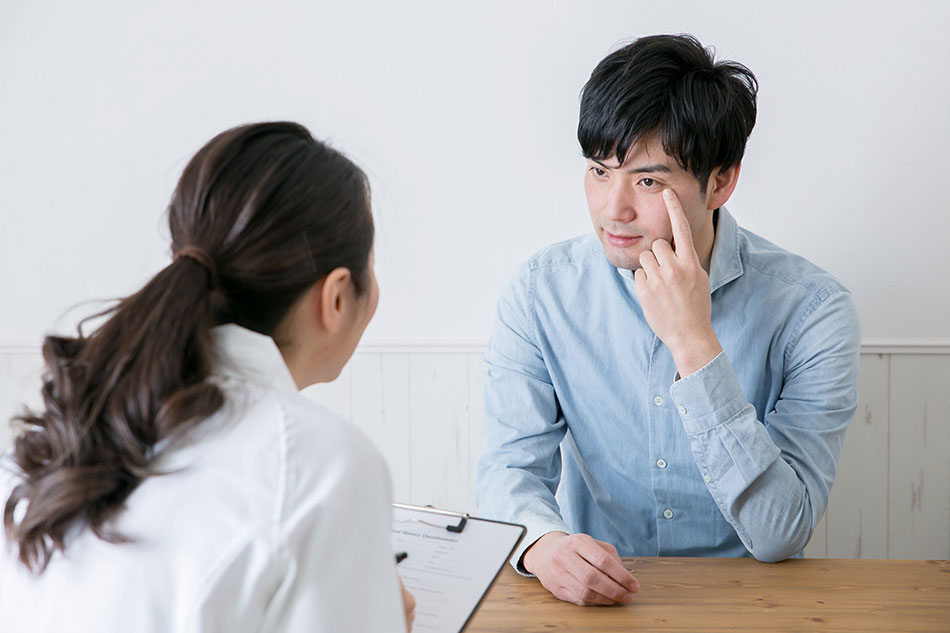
658 401
681 409
707 478
667 514
661 463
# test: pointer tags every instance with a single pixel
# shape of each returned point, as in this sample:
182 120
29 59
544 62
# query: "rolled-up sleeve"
771 478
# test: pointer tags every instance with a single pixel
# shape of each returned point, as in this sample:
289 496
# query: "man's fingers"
576 594
616 580
590 586
663 252
648 263
609 563
682 235
610 549
568 588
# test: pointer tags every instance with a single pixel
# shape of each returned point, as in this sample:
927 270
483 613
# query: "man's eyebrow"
645 169
648 169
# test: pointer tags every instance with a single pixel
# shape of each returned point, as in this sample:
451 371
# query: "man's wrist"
693 355
535 549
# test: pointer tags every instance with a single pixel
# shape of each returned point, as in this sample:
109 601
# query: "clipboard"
453 560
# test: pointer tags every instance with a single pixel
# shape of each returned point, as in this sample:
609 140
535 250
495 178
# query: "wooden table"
738 594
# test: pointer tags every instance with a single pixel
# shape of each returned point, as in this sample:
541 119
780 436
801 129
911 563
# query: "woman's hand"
408 605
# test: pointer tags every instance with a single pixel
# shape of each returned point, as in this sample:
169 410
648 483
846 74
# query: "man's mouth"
622 240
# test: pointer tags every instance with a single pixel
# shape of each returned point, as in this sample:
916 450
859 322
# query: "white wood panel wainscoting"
421 403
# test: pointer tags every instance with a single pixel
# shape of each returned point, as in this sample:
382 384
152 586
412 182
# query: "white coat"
275 516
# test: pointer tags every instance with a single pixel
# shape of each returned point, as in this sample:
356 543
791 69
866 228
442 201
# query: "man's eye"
648 182
599 171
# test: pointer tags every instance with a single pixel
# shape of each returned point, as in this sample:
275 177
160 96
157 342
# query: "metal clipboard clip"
456 528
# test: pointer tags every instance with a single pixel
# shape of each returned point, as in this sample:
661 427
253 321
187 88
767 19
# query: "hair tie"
201 256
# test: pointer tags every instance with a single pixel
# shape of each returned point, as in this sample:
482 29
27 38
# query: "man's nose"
620 202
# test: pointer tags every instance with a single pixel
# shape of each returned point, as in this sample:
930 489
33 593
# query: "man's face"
626 203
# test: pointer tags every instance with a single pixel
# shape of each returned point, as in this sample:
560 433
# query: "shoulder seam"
819 299
821 293
529 307
535 261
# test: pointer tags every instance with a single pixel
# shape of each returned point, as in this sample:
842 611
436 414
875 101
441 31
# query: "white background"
464 117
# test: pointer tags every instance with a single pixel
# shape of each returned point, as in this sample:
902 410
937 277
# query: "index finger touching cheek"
682 234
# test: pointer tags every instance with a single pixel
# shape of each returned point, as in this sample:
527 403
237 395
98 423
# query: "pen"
401 556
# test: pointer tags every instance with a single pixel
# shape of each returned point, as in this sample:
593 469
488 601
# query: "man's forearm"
514 494
770 491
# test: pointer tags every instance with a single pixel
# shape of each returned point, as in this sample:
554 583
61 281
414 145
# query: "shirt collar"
725 264
248 356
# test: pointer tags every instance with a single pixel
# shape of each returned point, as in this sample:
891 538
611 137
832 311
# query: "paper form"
447 572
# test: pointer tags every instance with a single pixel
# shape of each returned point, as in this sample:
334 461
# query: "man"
680 383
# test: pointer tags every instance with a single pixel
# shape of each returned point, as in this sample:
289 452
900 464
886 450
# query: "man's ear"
333 299
722 182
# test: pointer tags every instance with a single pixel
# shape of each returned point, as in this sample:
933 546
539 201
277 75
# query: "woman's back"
274 516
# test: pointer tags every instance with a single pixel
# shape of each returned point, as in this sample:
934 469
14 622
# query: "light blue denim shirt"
584 401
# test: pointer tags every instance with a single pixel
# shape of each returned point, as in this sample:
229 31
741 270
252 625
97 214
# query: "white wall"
464 116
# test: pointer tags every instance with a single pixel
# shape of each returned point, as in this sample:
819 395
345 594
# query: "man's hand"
674 293
579 569
408 606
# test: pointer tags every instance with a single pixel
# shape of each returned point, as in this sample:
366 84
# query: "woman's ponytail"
260 214
109 398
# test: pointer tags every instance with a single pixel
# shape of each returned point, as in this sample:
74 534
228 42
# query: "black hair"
702 111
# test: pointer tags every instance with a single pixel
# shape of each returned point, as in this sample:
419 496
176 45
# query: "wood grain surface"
739 594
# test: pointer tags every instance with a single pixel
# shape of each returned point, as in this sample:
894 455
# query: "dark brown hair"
275 211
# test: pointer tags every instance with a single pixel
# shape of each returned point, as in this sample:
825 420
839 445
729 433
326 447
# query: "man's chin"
622 260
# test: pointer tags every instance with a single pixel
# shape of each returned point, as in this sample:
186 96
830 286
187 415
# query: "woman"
176 480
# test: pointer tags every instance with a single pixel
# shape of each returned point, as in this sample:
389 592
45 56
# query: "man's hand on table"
577 568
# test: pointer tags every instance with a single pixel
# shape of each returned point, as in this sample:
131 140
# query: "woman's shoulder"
267 421
281 446
321 446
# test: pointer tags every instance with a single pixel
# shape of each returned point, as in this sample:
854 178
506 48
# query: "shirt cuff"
535 529
708 397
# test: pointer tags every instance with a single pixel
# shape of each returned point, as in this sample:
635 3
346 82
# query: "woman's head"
276 211
271 230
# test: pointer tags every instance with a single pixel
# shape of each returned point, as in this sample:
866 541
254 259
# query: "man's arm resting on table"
520 467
